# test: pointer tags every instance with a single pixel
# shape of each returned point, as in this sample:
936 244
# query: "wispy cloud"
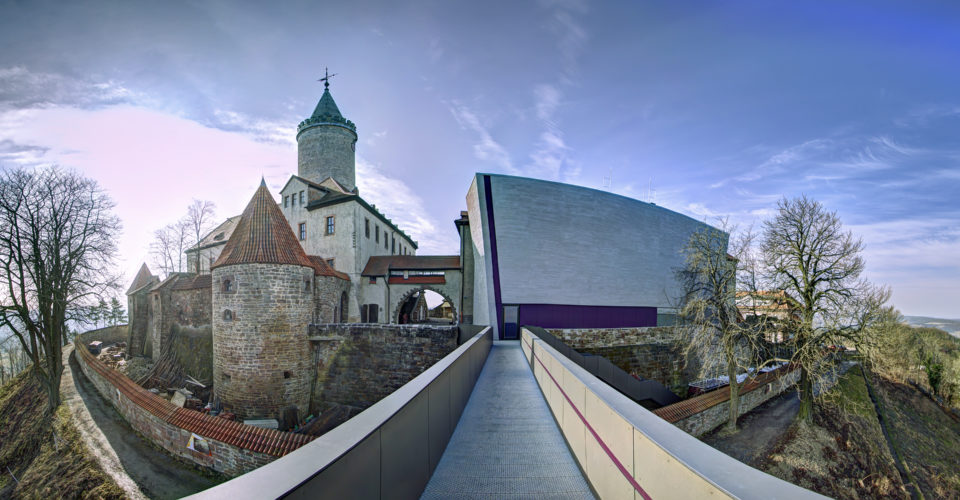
487 149
397 200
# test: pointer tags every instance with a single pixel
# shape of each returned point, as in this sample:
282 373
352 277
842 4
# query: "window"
285 200
301 197
286 374
373 280
227 286
366 227
393 245
302 230
227 315
330 262
386 244
329 224
376 233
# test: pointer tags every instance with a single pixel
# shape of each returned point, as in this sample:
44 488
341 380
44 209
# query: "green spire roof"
326 106
326 113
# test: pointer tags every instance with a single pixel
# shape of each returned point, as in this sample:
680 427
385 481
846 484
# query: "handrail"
389 449
631 450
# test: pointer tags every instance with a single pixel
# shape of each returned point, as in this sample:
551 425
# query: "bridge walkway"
507 444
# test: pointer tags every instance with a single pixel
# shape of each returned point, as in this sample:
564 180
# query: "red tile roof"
262 236
268 441
381 265
679 411
193 282
324 269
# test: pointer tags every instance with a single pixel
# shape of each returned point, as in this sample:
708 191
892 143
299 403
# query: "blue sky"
707 108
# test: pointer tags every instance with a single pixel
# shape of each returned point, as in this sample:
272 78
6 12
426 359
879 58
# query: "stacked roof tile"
679 411
268 441
263 236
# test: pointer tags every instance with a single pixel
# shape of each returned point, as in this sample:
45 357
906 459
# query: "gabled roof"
262 236
218 236
144 276
383 264
324 269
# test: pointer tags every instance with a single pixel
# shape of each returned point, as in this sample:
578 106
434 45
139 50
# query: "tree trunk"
734 397
806 396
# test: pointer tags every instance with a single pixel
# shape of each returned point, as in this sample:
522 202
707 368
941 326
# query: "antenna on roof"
608 180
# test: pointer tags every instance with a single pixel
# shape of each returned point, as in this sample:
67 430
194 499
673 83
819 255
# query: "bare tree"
199 219
709 310
168 246
817 264
57 244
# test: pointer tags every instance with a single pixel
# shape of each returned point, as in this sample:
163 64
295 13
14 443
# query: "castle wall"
234 448
139 342
650 352
169 308
360 364
328 290
327 151
261 356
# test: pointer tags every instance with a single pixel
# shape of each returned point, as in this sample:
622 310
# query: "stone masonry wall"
327 301
325 151
261 356
650 352
360 364
139 343
222 457
710 418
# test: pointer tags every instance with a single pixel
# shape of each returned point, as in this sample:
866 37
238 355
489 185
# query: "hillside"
845 454
951 326
44 453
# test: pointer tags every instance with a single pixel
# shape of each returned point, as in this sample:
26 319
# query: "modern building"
562 256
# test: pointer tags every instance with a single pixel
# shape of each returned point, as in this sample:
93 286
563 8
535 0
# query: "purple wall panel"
568 316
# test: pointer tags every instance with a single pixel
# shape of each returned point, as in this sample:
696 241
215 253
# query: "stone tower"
263 286
326 144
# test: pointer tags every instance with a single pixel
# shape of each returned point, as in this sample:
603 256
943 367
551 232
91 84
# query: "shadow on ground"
159 475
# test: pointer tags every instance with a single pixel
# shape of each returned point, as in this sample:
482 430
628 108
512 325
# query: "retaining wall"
627 451
388 451
358 364
701 414
234 448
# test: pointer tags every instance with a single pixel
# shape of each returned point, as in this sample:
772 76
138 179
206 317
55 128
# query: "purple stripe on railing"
603 445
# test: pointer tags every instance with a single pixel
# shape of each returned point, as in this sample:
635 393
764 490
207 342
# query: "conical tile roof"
143 277
262 236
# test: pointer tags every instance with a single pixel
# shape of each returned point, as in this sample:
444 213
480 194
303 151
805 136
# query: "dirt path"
759 430
158 475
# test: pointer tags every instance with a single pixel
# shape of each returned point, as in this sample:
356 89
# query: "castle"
532 252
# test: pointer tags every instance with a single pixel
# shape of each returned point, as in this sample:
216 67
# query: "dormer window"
218 237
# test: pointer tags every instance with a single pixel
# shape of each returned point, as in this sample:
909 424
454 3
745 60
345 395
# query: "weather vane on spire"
326 78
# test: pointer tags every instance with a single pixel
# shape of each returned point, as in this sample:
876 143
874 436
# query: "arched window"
227 315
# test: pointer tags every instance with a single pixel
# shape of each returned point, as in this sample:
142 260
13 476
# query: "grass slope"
927 440
45 453
844 454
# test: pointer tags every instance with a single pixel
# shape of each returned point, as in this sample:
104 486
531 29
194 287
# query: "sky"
711 109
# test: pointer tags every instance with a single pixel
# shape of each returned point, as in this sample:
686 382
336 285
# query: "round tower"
326 144
262 300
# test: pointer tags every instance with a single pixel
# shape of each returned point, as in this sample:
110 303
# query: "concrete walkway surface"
507 444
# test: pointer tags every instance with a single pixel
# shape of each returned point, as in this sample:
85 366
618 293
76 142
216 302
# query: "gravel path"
139 467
